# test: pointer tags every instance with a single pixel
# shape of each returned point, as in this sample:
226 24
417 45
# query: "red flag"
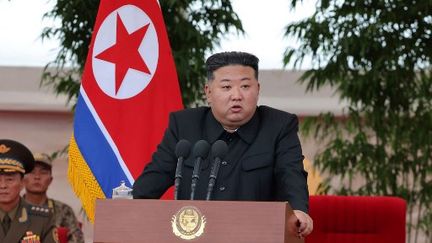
129 86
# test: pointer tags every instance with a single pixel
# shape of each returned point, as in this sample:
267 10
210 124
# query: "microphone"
182 151
219 150
200 151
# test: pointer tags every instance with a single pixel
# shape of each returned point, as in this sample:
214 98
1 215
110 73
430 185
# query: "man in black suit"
264 160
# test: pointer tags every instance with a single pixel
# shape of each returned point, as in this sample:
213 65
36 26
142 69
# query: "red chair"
365 219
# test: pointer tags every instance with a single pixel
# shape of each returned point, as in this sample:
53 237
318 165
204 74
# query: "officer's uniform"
64 215
28 223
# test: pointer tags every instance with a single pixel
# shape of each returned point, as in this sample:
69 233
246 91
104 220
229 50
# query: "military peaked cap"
15 157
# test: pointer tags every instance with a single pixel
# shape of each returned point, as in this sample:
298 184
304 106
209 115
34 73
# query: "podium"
160 221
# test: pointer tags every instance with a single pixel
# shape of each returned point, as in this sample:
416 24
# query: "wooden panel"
150 221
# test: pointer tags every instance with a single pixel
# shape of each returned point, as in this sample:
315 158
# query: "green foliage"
377 54
77 19
194 28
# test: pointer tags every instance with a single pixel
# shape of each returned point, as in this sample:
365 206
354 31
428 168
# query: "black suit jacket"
270 167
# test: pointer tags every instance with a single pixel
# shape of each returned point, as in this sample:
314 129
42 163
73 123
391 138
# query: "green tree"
377 55
194 28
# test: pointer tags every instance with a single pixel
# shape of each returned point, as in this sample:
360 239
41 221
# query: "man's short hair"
223 59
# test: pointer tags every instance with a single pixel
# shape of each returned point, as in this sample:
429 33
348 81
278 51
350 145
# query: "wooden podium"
125 221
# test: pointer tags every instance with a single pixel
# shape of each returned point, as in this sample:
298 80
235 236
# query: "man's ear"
207 92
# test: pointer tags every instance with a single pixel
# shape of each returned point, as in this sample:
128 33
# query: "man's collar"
212 127
11 213
45 203
247 132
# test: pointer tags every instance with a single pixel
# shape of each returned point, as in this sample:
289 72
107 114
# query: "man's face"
11 185
233 95
38 180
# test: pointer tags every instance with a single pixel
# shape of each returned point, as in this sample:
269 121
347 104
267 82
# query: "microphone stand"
213 176
178 176
219 150
195 177
182 151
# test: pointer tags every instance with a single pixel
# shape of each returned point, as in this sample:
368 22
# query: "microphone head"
201 149
183 148
219 149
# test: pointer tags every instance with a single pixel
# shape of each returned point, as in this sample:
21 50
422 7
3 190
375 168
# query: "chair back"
366 219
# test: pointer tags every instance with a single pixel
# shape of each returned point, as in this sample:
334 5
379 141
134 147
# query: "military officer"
20 222
36 185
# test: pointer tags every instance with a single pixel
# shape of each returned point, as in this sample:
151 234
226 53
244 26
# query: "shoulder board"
38 210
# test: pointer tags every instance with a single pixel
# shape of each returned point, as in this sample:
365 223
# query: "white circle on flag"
134 81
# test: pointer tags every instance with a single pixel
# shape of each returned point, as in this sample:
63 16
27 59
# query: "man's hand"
304 223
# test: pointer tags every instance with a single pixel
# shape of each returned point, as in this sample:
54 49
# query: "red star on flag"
124 53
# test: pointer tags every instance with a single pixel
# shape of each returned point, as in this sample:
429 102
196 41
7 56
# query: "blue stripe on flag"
96 150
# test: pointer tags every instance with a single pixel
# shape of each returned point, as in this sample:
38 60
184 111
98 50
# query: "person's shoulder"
34 211
61 209
273 114
39 221
195 110
60 204
191 113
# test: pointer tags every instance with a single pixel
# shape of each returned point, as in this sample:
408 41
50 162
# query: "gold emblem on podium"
188 223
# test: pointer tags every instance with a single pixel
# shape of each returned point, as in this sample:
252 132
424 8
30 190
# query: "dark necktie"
6 223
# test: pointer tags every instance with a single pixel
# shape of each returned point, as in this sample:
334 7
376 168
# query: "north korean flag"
129 87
